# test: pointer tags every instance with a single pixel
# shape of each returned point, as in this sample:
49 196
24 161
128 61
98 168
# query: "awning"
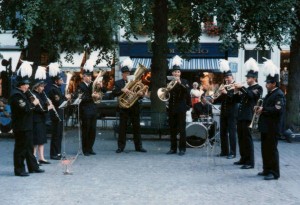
14 55
73 66
193 64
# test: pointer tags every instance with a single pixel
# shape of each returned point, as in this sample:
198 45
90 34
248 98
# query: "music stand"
77 103
62 106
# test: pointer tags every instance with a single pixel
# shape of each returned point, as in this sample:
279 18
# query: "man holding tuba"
179 103
132 112
247 97
88 108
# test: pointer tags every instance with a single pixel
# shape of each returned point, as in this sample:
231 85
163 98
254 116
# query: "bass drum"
196 134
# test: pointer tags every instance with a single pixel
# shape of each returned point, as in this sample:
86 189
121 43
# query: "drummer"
202 112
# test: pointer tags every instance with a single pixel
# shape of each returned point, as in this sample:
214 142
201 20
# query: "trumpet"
50 103
164 93
255 118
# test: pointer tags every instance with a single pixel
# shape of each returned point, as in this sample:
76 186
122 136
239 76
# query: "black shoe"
270 177
119 150
247 166
231 156
181 153
239 162
222 155
44 162
262 173
171 151
141 150
92 152
55 157
86 154
22 174
37 171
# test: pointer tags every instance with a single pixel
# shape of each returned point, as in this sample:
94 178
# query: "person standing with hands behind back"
179 103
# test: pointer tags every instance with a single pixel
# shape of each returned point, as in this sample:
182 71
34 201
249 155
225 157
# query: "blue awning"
193 64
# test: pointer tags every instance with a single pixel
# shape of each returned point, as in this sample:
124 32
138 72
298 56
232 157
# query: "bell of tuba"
96 88
164 93
126 100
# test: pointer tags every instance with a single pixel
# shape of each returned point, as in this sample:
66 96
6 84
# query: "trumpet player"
269 122
132 113
88 108
247 97
57 98
179 103
228 114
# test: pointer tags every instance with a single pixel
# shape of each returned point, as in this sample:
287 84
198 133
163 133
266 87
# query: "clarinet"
33 97
50 103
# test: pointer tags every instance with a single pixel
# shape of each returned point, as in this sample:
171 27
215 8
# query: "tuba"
164 93
96 88
126 100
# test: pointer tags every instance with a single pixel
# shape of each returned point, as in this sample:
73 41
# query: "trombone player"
247 97
132 113
179 103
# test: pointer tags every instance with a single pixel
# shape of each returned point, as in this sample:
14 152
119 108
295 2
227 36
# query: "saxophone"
126 100
96 88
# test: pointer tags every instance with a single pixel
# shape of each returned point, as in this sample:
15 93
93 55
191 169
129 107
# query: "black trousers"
88 127
270 155
245 142
24 150
177 125
56 138
228 134
132 114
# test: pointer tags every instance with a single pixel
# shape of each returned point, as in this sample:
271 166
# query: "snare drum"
206 120
196 134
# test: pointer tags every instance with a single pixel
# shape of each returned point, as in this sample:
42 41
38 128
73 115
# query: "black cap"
227 73
125 69
87 72
38 82
57 77
22 80
272 79
175 67
252 74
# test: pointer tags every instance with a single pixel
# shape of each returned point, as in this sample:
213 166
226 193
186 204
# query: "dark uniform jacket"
273 105
21 109
119 84
56 96
229 106
39 115
248 99
201 109
87 105
180 98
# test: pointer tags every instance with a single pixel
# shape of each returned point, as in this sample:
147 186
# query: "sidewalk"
148 178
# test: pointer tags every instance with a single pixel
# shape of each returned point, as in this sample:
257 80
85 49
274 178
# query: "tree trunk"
293 94
159 65
34 49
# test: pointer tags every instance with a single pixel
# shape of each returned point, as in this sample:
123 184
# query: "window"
257 55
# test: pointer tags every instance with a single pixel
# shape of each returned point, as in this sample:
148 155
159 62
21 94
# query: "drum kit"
197 132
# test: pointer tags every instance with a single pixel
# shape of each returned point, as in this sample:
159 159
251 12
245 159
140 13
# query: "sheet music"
130 78
64 104
171 77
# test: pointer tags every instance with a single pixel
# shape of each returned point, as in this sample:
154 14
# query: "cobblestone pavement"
149 178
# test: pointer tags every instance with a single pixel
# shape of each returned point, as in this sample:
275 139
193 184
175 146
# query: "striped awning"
193 64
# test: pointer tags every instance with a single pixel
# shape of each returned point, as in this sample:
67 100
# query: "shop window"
257 55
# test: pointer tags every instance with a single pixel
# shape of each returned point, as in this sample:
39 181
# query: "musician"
57 98
228 115
195 93
203 110
126 114
5 116
39 116
247 97
179 103
22 123
269 123
88 109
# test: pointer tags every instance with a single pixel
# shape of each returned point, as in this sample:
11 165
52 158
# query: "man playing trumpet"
247 97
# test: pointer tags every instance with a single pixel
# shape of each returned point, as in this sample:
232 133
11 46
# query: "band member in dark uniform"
39 115
228 114
22 123
269 122
57 98
202 112
179 103
247 97
88 109
132 113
